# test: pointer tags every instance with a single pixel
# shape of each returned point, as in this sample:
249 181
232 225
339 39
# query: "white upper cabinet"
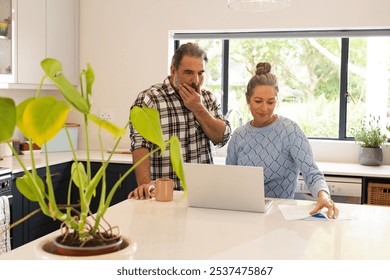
7 29
63 35
31 40
46 28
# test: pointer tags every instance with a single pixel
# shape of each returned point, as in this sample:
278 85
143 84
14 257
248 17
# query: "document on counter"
301 212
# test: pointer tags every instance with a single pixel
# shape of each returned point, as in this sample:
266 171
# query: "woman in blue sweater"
277 144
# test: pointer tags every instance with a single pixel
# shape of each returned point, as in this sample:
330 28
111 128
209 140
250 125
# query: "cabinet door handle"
55 174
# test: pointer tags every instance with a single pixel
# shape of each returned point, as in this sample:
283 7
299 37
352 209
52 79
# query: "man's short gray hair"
190 49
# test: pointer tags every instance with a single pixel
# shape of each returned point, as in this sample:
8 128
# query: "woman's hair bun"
263 68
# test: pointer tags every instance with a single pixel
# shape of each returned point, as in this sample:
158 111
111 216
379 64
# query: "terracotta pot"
51 249
370 156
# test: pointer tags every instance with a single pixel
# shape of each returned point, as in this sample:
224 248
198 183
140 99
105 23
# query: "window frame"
344 35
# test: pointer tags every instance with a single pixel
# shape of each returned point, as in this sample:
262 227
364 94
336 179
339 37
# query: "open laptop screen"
226 187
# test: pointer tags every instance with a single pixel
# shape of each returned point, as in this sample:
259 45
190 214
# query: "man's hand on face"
191 96
195 87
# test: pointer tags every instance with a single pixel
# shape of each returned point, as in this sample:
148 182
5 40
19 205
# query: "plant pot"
371 156
49 248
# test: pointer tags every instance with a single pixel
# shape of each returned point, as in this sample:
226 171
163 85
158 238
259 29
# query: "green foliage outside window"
309 73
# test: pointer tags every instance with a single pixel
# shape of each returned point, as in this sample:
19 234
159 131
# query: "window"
328 80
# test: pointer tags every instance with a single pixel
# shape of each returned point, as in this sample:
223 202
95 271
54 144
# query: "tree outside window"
310 71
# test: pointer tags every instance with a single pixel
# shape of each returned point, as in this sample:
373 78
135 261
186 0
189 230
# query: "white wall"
127 41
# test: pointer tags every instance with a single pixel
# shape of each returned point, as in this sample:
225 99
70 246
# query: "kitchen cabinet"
114 172
39 224
47 28
377 191
7 23
40 29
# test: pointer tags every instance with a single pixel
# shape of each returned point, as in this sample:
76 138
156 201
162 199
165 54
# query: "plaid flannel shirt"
177 120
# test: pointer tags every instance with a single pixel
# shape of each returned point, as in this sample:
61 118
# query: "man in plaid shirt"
187 111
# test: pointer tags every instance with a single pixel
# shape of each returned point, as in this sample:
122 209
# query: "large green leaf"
79 176
19 115
89 78
26 186
115 130
43 118
7 118
177 160
53 69
147 122
92 185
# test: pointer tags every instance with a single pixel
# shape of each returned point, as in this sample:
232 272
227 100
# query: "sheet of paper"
301 212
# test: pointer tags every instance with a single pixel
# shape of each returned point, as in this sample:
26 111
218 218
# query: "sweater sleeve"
214 108
303 156
231 157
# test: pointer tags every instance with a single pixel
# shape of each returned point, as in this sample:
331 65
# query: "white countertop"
354 169
328 168
343 169
61 157
172 230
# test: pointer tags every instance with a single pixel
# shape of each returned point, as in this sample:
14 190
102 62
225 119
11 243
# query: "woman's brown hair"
262 77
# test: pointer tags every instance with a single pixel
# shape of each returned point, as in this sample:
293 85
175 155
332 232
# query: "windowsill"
333 151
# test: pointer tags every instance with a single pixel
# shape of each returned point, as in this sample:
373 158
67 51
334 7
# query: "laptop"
227 187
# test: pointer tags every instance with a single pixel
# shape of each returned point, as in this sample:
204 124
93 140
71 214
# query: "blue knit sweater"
283 150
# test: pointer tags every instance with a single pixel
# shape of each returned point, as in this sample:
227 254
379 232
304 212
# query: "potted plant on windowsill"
40 119
368 134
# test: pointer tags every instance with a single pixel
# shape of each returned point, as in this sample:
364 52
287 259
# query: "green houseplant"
368 134
41 118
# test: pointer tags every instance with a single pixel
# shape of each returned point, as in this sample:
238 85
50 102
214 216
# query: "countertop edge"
62 157
328 168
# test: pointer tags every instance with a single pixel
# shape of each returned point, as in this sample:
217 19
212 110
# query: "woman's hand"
324 200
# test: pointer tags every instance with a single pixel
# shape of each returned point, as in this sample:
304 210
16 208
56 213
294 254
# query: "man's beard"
176 84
